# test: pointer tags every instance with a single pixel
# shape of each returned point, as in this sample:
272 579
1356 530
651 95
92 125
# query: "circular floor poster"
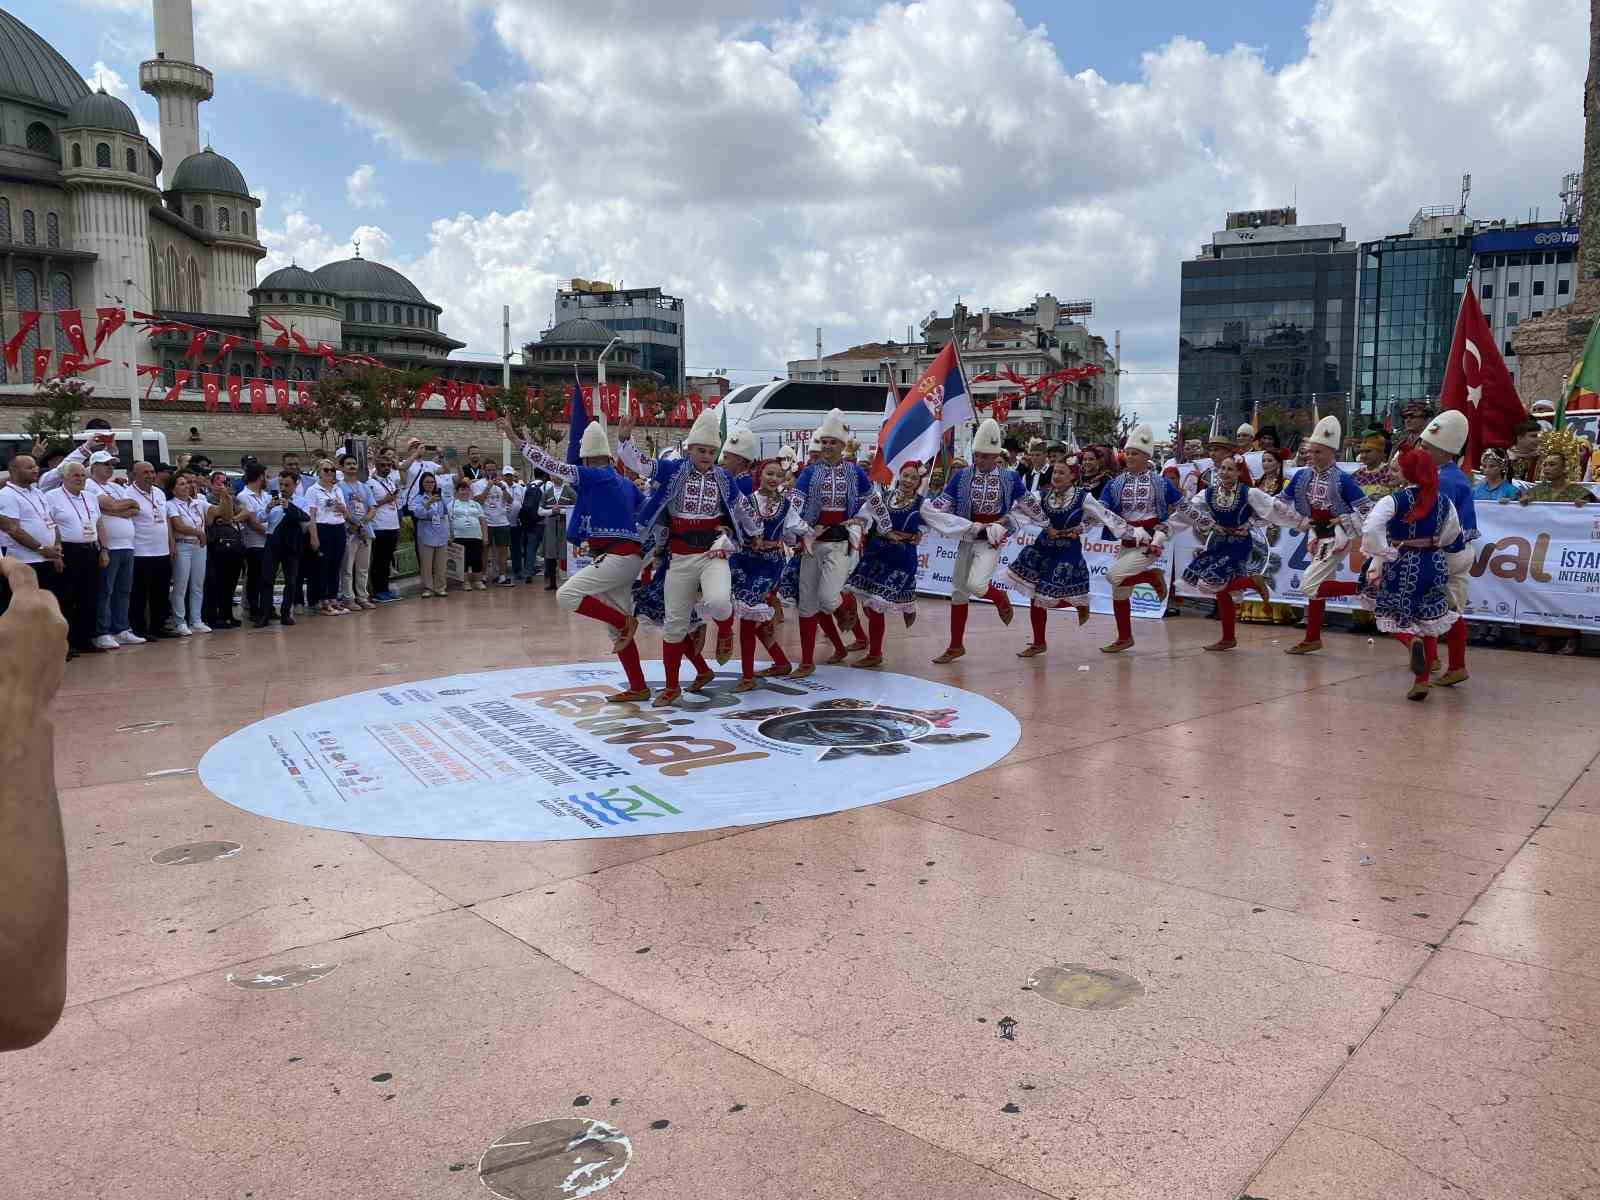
538 754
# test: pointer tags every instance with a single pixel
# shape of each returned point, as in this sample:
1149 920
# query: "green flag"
1583 385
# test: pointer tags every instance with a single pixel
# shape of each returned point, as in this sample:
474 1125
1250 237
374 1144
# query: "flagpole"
505 378
135 418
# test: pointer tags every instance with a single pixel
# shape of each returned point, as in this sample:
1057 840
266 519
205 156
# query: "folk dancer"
1146 501
757 567
1334 505
1442 441
975 507
885 580
694 502
1051 571
1407 581
603 516
827 495
1233 558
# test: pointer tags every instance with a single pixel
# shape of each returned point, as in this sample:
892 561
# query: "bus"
783 412
155 446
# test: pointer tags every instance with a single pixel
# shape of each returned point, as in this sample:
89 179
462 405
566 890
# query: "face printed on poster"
538 754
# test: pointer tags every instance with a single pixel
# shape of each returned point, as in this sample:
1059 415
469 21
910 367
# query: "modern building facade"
645 318
1266 318
1411 286
1521 272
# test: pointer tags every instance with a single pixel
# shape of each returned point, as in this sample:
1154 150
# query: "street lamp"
600 364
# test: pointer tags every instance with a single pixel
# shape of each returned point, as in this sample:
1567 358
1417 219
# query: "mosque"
90 212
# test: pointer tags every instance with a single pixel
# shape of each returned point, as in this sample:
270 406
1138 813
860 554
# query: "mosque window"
349 312
197 217
299 297
155 279
52 229
26 284
233 369
366 312
224 221
39 138
30 236
174 294
5 220
77 155
169 373
244 220
194 286
61 290
102 155
132 160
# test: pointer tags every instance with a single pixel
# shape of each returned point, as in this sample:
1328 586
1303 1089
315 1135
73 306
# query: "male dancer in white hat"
975 507
829 496
1335 505
1442 440
604 517
695 502
1148 503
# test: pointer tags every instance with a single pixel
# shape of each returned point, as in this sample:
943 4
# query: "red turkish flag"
280 393
261 353
72 325
107 322
197 344
300 343
302 393
258 395
1002 408
211 386
14 345
181 378
228 343
41 364
1477 383
234 385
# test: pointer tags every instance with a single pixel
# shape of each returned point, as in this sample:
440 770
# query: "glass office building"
1411 286
1266 317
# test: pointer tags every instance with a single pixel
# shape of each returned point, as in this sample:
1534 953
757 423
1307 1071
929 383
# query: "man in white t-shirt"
387 486
254 505
117 510
150 601
77 517
27 530
493 491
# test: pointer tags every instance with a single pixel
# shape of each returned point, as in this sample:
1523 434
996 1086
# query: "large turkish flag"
1477 383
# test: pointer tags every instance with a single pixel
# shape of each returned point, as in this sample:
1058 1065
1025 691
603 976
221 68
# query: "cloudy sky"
853 165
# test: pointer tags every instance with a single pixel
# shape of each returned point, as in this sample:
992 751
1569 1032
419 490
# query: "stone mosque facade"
91 211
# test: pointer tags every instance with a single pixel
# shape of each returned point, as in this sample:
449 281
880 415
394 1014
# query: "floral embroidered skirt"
755 574
1411 594
885 579
1050 572
1226 557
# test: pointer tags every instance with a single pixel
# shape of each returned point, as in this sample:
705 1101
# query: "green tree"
362 401
63 400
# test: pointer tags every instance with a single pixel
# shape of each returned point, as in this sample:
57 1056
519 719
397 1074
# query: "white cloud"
361 187
859 170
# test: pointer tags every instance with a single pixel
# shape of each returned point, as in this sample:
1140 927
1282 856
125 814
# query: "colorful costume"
1146 502
1233 557
756 572
1333 504
885 580
1051 571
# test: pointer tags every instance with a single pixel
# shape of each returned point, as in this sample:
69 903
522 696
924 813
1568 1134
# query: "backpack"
528 515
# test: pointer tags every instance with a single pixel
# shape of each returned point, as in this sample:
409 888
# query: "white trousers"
610 579
1460 564
696 579
1319 570
974 572
822 577
1133 560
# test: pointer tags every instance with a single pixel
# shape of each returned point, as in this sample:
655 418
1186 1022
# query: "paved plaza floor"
1254 924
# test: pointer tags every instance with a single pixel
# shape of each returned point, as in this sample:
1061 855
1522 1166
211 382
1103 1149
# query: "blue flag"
580 422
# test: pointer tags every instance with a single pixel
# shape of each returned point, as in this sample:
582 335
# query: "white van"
785 411
155 446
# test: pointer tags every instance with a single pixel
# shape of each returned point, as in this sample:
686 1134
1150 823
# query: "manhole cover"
195 852
1078 986
555 1160
286 975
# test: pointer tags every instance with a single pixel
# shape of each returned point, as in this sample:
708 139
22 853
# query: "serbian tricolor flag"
1478 384
578 423
936 404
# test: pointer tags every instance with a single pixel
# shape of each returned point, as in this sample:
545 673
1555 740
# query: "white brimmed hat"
706 430
594 443
1141 437
832 426
988 439
743 443
1447 432
1327 433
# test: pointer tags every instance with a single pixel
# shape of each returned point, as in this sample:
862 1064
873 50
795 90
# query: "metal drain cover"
190 853
555 1160
1095 989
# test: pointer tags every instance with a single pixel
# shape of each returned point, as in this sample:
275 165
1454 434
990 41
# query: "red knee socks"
1314 610
874 632
1338 587
696 659
958 626
628 656
1225 609
1456 643
1124 614
597 609
1149 577
1038 616
808 640
672 657
770 641
826 624
747 649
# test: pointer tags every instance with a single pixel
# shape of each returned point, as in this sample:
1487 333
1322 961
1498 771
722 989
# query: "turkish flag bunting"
41 364
107 321
327 353
282 340
197 344
73 364
613 402
154 372
300 343
14 345
1477 383
211 386
261 353
452 396
182 377
258 395
1002 407
72 325
228 343
280 393
234 385
302 393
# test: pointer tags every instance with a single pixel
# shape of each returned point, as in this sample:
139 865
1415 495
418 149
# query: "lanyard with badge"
41 509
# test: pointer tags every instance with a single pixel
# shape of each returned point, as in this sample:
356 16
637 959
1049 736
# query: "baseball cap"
508 471
100 456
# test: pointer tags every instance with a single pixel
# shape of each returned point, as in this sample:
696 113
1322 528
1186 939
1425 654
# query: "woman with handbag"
224 555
